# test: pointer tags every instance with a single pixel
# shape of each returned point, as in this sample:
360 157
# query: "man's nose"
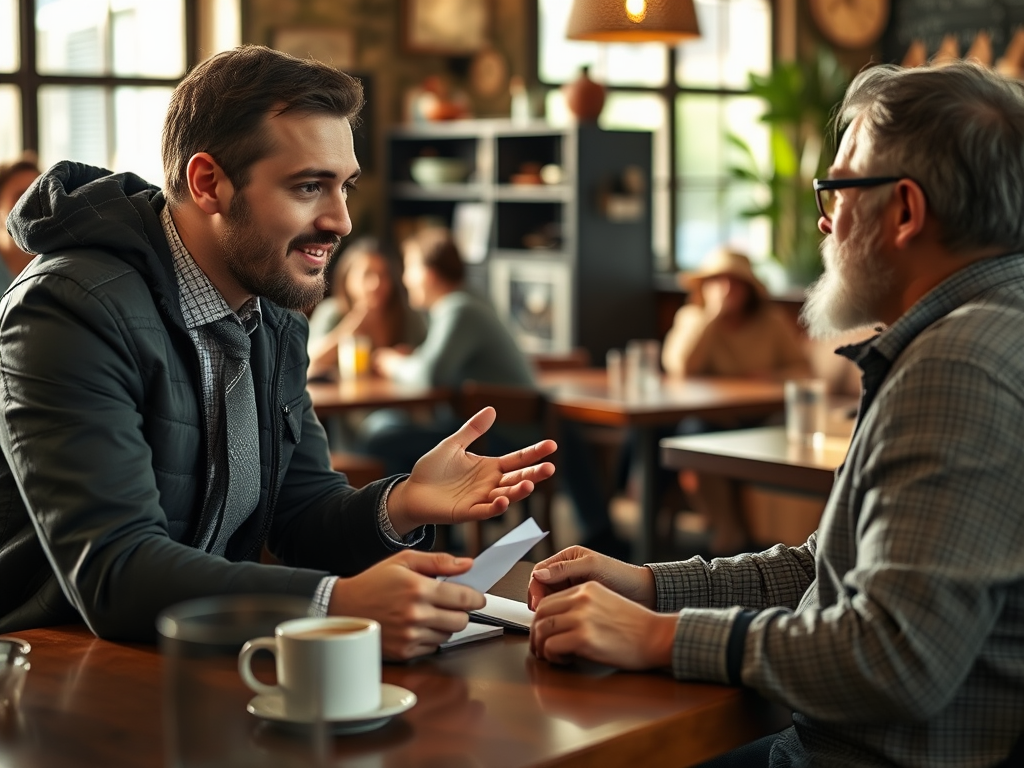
335 218
824 226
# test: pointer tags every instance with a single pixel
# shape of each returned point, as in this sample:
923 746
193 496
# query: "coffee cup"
327 668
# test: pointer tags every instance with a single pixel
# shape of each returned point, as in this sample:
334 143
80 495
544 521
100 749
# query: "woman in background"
15 178
728 328
366 300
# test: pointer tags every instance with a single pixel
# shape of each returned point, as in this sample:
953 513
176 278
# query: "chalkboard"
931 20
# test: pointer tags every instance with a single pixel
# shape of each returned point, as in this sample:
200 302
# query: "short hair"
25 162
222 104
958 131
439 252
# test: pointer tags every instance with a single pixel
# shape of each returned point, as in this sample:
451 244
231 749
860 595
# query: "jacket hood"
75 206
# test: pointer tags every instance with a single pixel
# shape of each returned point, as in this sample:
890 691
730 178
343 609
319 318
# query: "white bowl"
431 171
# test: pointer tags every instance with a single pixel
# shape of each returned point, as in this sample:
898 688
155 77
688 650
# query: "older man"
895 632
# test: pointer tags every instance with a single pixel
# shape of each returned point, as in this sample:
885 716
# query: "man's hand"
577 565
415 611
592 622
449 485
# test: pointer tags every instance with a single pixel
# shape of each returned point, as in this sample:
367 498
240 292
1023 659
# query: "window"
692 97
90 80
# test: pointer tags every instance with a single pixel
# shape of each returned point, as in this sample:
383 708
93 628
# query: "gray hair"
958 131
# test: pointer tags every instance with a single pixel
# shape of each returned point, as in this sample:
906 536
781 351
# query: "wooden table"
762 455
782 487
93 702
583 395
372 392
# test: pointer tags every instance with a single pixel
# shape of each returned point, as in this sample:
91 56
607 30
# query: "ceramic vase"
584 97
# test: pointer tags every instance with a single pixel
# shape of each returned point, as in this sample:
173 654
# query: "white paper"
471 633
507 613
497 560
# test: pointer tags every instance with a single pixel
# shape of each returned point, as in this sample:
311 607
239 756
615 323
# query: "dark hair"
958 131
222 104
440 254
26 162
396 308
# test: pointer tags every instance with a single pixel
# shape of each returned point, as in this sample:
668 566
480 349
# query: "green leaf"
787 164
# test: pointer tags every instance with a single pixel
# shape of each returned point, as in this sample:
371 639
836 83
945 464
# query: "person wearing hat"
728 328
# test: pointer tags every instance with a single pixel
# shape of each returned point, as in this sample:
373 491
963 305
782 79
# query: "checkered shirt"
896 632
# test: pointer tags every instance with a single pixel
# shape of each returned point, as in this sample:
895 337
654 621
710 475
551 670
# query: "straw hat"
719 262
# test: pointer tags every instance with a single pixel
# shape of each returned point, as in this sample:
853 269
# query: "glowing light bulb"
636 10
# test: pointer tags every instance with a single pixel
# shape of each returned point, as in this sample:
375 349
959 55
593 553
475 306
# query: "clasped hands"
594 607
448 485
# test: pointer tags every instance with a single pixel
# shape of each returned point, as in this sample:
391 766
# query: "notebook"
503 612
472 633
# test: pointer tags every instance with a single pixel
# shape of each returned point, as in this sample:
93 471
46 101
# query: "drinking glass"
204 697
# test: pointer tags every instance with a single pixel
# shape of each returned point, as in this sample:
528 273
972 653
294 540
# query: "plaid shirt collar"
201 302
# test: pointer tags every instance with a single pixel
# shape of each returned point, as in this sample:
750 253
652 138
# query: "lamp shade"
633 21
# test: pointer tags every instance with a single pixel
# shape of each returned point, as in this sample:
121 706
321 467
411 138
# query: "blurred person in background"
466 341
15 178
366 299
728 328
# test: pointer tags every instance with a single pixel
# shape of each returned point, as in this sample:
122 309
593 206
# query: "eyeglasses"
824 190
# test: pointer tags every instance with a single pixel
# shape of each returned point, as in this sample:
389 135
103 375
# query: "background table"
93 702
782 486
761 455
372 392
583 395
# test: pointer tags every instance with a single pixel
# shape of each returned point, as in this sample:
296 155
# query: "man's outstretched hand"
450 485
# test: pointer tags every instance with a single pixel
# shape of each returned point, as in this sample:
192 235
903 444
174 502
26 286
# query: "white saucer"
393 701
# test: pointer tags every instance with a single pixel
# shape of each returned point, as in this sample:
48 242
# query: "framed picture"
446 27
336 47
533 299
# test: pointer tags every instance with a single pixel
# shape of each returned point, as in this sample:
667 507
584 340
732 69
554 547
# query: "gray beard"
847 294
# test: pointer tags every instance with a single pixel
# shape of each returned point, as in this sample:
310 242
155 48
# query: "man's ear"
911 212
208 185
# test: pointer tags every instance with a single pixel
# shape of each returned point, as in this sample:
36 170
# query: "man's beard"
260 268
847 294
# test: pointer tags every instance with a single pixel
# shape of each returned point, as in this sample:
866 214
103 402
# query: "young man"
895 632
156 429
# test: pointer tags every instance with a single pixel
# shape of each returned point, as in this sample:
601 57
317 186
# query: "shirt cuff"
391 537
701 649
322 597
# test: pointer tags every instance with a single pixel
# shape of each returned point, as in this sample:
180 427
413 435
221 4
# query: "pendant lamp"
633 21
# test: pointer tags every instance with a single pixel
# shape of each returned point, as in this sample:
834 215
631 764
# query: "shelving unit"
566 264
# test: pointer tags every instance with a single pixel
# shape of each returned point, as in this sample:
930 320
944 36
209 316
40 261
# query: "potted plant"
799 100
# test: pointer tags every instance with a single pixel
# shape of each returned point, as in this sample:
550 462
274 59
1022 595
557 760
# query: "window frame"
669 93
28 80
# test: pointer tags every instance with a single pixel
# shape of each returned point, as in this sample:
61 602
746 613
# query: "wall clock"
850 23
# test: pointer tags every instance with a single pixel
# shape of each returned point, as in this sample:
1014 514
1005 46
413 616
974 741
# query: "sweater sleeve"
451 338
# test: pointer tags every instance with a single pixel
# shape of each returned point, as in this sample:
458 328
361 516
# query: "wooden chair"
578 357
514 406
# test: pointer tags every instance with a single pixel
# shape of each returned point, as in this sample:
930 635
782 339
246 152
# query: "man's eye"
311 188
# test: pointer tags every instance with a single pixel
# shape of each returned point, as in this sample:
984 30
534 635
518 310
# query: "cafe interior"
591 159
